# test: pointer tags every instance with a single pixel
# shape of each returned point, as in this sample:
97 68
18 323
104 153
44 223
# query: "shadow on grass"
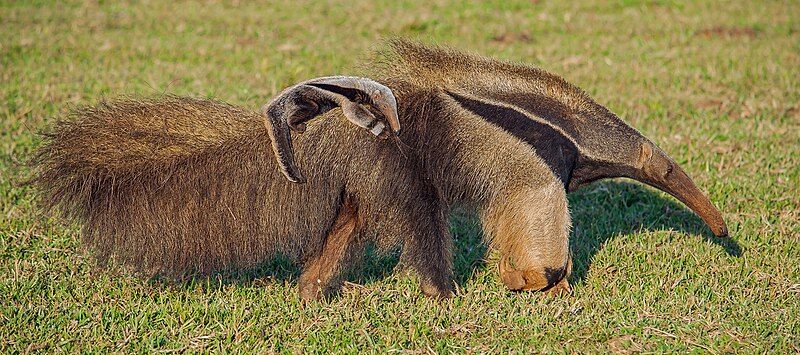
469 251
606 209
368 265
599 212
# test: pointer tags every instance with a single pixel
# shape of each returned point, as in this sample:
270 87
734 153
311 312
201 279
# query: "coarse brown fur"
580 140
180 186
177 186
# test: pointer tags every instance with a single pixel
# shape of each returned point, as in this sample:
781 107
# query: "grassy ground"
714 84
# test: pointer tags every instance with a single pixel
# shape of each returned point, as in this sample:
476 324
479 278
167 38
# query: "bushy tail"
124 139
94 164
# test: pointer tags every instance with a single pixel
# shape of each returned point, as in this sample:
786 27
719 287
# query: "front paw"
561 289
548 280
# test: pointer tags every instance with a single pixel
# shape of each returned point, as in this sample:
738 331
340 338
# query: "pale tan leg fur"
530 228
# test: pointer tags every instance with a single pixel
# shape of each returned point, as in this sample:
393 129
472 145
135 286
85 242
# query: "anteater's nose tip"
720 230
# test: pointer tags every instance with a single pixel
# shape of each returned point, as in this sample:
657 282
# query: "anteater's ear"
296 105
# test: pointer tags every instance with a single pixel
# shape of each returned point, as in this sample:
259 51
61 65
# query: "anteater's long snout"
659 171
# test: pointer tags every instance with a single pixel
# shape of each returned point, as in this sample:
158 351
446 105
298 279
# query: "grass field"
715 84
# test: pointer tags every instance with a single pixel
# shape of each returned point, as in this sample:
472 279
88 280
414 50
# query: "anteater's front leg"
530 227
321 271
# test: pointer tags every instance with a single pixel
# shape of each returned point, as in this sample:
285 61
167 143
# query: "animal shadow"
367 264
469 250
599 212
606 209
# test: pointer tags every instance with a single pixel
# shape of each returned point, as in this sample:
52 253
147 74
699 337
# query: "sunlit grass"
715 84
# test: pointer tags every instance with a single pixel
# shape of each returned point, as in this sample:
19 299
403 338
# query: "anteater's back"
175 185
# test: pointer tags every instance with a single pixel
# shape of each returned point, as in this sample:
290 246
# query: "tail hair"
98 165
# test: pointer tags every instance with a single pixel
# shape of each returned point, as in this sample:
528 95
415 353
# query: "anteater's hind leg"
321 271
